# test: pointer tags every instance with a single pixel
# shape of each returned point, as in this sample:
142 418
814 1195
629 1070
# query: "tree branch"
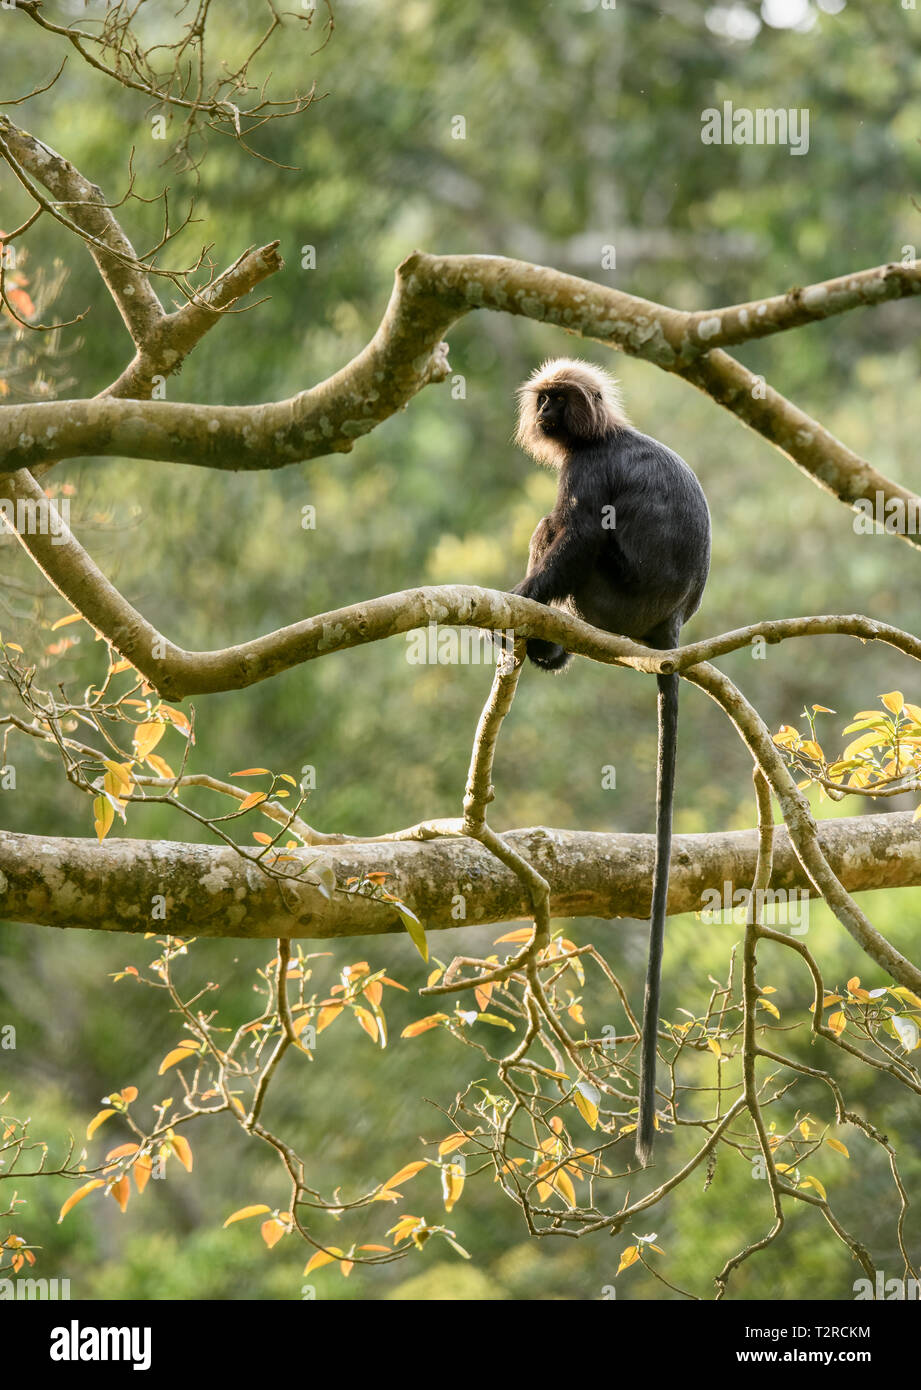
213 891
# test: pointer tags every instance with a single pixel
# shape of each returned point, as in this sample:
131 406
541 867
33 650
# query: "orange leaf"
120 1192
272 1231
367 1021
453 1141
327 1014
410 1171
252 772
78 1196
121 1151
422 1025
142 1169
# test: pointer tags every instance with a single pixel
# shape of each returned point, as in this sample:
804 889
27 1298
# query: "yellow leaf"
814 1182
183 1152
713 1044
860 745
253 799
837 1022
118 667
178 1054
838 1147
586 1108
96 1121
65 622
176 716
628 1258
146 738
241 1215
827 1001
894 701
104 813
452 1184
563 1184
122 781
160 766
323 1257
903 992
771 1008
80 1193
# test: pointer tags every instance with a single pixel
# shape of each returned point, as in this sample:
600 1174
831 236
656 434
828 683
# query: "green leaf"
415 928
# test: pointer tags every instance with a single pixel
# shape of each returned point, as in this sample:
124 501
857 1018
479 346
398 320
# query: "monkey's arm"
564 548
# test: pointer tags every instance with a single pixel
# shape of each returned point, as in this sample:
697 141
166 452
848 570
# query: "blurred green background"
582 132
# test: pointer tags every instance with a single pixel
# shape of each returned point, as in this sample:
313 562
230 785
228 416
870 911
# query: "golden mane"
594 406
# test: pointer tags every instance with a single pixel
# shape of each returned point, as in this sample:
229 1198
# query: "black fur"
640 572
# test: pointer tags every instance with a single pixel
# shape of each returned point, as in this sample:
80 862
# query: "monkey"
626 548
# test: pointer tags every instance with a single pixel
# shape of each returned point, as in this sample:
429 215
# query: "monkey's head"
564 405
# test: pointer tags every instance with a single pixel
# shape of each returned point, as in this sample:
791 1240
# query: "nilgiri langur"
627 549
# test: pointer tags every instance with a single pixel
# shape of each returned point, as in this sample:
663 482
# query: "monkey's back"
654 560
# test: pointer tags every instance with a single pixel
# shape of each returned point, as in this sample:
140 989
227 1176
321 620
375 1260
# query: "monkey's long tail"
665 793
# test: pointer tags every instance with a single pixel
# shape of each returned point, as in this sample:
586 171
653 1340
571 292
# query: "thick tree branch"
430 294
214 891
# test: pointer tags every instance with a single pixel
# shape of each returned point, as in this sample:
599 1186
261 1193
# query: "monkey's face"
552 413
